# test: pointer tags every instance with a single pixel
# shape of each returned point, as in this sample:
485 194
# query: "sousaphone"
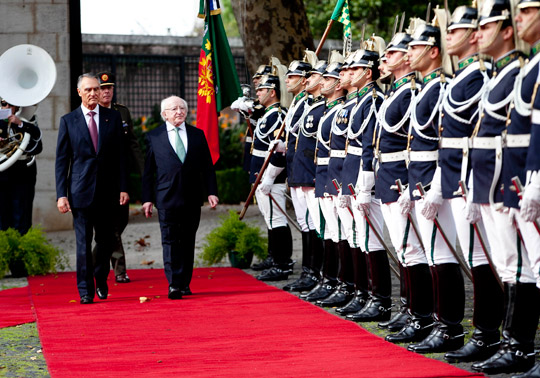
28 76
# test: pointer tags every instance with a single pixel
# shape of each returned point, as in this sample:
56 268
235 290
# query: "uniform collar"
403 80
366 88
505 60
300 96
352 95
432 75
535 48
467 61
333 103
275 105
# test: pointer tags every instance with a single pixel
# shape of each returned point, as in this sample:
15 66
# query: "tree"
272 28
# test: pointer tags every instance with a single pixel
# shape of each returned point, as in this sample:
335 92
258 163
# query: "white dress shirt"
85 111
171 132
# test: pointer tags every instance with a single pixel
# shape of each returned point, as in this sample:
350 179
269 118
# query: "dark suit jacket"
83 175
168 182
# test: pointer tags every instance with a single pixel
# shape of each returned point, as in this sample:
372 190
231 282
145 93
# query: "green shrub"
33 249
233 235
233 185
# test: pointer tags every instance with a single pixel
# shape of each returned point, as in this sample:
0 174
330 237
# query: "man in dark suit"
90 180
178 170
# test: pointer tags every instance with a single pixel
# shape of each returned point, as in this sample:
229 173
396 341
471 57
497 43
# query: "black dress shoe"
305 282
533 373
356 304
443 338
102 292
416 329
175 293
508 359
341 296
397 322
267 263
274 274
86 299
480 346
123 278
376 309
186 291
321 291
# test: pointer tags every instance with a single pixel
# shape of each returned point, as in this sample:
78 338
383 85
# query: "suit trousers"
86 221
178 231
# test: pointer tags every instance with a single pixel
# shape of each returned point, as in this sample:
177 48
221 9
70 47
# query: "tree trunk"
268 28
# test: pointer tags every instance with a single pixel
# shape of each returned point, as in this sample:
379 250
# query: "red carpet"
233 326
16 307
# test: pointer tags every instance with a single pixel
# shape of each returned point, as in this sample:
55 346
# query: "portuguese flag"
218 80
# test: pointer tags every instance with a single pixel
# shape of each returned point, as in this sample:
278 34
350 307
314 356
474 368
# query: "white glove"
236 103
512 213
268 179
472 211
242 105
343 200
364 185
280 146
433 199
404 202
530 203
362 202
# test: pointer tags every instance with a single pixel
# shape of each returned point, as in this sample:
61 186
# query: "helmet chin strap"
461 41
266 96
403 59
308 88
492 38
298 82
419 58
524 31
330 89
355 80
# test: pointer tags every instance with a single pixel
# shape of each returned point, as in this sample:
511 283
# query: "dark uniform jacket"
294 118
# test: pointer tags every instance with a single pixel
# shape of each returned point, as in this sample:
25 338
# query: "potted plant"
29 254
236 239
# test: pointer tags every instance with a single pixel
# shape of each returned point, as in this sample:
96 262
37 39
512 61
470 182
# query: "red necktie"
93 130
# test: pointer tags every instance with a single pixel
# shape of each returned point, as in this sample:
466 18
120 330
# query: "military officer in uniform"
135 164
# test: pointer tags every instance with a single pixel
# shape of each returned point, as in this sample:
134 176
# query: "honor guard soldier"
335 96
135 165
344 292
521 295
280 238
371 256
393 124
304 175
459 113
496 39
425 56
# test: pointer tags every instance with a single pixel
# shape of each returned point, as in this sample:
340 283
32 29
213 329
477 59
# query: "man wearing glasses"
178 169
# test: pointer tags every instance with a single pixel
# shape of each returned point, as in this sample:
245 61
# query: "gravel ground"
20 349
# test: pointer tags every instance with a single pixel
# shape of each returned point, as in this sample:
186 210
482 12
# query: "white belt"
259 153
337 153
484 143
249 139
354 150
323 161
518 140
458 143
389 157
424 155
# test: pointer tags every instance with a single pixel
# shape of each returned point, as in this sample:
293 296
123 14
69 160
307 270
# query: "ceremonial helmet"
426 35
262 70
319 67
464 17
494 10
299 68
528 4
335 64
349 60
400 42
269 81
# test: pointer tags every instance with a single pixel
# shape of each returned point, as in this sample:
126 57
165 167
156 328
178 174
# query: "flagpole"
325 35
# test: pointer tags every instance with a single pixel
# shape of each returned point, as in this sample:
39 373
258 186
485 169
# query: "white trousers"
532 244
301 209
408 248
328 207
437 251
315 212
468 240
272 215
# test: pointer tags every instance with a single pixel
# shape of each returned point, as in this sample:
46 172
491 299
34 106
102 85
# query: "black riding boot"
327 284
487 318
420 307
282 250
344 292
361 293
379 303
308 279
516 352
400 318
447 333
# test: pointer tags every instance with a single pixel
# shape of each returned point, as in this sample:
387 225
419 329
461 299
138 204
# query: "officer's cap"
426 34
106 79
464 17
298 67
400 42
494 10
262 70
269 81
